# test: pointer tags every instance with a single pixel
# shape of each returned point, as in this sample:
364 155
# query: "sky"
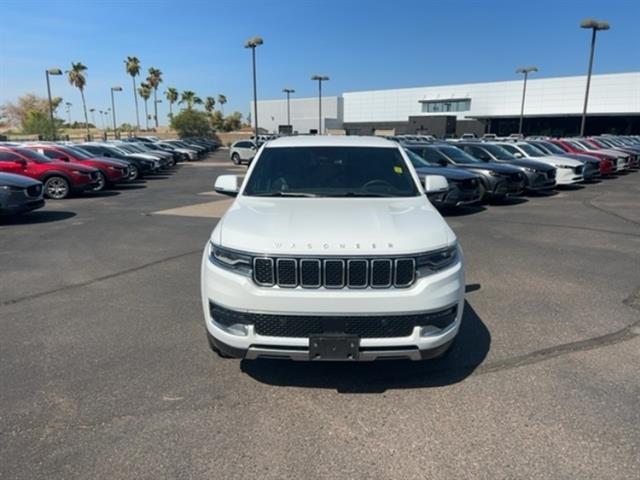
360 45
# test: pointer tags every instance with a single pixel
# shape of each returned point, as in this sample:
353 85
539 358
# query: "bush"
191 123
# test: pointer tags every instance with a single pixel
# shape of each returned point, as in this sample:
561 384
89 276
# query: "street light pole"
288 91
526 72
113 109
594 25
51 71
320 79
252 43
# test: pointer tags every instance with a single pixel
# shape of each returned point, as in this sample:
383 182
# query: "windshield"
83 151
498 152
458 156
552 147
530 150
331 172
416 160
75 152
127 148
31 155
586 145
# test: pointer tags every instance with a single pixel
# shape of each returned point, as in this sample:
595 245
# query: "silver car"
19 194
242 151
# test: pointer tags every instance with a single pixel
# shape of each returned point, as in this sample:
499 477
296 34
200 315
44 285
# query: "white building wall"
609 94
304 113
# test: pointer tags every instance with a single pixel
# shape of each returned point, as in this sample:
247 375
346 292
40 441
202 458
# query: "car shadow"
101 193
466 354
35 217
569 188
542 193
130 186
507 201
461 211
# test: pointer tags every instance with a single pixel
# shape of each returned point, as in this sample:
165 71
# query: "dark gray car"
19 194
496 181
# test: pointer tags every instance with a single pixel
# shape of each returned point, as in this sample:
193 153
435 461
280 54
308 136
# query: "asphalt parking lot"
105 370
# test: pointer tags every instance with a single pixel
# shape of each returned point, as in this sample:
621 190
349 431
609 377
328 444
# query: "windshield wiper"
284 194
360 194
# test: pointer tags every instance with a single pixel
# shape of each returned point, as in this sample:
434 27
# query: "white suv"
332 251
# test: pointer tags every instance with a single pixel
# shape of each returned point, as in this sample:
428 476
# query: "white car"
242 151
332 251
568 170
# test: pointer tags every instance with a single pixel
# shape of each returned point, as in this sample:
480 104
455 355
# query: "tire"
215 349
102 182
483 193
235 158
56 187
134 172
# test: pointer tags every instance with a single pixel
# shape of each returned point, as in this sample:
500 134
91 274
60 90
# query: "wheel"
56 188
101 182
215 349
134 173
235 158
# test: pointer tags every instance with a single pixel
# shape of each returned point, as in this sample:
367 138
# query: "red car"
110 171
607 161
634 156
59 178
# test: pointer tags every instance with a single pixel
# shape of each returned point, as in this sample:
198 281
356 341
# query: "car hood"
558 160
492 167
531 163
13 180
333 226
582 158
143 156
608 151
449 173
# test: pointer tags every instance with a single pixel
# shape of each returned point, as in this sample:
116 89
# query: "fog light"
429 330
238 329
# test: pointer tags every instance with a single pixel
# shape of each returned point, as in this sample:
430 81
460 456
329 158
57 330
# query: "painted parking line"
213 209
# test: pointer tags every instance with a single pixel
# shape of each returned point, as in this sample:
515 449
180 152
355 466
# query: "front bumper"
456 196
537 181
568 176
21 206
237 293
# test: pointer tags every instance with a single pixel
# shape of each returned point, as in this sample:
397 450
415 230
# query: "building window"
450 105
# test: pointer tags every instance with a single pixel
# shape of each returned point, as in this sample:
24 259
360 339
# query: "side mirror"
435 184
442 162
64 159
227 185
517 154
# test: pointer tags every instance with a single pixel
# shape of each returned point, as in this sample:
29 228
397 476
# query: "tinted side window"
431 155
510 148
8 157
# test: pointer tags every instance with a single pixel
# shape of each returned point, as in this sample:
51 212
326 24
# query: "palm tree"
154 80
77 78
222 100
190 98
172 96
209 104
145 92
132 66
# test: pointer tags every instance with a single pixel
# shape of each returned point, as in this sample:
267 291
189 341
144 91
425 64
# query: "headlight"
493 174
237 262
433 262
530 170
10 188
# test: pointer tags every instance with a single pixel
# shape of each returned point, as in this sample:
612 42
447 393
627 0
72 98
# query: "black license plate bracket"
334 347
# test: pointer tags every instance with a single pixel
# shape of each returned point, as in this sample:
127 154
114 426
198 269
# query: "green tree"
17 113
233 122
209 104
171 95
78 79
191 123
222 100
154 80
190 98
144 90
217 120
132 66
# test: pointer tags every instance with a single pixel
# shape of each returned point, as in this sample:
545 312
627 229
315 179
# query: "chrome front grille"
334 273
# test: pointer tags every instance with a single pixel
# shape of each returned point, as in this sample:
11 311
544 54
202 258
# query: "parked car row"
501 168
31 171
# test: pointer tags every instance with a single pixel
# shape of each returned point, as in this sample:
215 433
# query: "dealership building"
553 106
